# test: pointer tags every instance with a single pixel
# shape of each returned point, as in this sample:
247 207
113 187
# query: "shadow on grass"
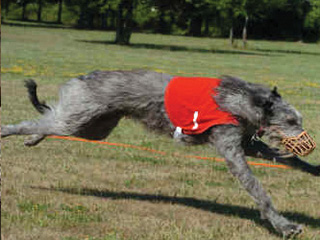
33 23
206 205
287 51
175 48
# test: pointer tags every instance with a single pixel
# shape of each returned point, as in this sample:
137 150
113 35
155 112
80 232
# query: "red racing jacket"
190 104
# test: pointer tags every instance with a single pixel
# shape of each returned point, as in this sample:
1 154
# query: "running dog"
228 113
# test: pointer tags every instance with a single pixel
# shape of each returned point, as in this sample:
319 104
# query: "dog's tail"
31 85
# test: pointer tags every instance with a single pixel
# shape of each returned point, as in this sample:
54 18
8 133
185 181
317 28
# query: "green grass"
72 191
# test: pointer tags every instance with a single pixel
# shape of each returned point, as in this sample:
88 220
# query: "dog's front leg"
227 139
257 148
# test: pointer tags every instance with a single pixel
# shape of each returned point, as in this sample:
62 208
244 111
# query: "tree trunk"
231 34
172 18
162 26
120 24
40 3
124 22
59 19
207 26
24 9
195 26
7 7
244 33
112 19
104 20
86 17
231 37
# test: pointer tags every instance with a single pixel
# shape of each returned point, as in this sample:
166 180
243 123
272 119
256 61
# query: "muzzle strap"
302 145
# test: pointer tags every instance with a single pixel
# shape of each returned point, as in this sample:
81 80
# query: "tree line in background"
297 20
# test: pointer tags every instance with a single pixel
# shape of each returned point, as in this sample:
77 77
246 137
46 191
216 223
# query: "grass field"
72 191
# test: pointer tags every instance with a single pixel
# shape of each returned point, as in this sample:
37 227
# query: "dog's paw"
317 172
291 230
5 131
33 140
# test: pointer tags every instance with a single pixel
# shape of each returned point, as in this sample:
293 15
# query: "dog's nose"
301 145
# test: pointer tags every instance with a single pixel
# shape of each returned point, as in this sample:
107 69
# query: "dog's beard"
274 138
275 142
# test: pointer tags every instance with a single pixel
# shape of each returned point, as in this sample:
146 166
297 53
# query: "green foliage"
86 11
268 19
312 22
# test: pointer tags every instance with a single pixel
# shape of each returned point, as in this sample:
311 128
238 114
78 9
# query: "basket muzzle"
301 145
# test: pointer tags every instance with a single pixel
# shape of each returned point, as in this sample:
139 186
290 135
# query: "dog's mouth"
301 145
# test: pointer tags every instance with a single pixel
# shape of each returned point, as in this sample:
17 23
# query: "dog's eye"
292 121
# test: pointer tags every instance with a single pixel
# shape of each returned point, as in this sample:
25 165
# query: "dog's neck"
235 96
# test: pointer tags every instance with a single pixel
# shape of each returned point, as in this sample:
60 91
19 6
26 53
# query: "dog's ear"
269 103
275 93
265 102
266 99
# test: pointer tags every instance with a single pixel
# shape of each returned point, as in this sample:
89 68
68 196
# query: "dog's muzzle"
301 145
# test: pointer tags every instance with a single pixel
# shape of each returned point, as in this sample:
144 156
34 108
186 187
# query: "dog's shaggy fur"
91 106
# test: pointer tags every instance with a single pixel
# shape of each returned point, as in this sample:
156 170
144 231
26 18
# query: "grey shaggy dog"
91 106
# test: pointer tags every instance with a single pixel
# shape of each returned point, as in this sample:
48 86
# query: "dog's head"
283 125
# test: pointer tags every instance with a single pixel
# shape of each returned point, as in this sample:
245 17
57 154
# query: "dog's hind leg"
22 128
38 130
259 149
228 140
